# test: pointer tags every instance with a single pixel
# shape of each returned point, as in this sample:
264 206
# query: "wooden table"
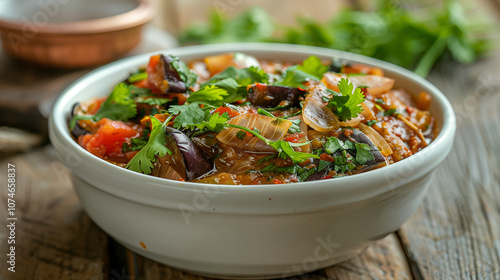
455 234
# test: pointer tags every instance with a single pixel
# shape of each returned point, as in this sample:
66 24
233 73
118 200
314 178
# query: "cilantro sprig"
143 161
310 69
118 106
346 104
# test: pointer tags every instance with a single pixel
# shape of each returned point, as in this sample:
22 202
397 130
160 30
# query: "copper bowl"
72 33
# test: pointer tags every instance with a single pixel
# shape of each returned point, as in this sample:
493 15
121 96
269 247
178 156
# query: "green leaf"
187 75
363 154
371 122
215 123
143 161
188 115
390 112
152 100
211 95
235 92
138 77
118 106
285 150
313 66
295 78
347 105
332 145
242 77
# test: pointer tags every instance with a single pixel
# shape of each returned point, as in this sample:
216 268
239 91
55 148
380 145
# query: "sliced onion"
303 136
354 122
376 84
270 128
235 161
315 113
170 166
377 139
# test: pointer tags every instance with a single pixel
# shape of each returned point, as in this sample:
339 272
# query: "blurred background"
48 44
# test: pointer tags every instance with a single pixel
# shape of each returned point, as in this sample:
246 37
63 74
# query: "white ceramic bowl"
262 231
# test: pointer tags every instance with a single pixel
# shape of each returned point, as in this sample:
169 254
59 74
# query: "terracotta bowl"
72 33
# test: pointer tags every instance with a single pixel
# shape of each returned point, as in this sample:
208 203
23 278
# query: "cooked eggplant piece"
318 175
165 77
170 166
197 163
266 96
77 130
359 137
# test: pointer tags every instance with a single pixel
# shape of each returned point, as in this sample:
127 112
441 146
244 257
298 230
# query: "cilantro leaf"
294 77
285 150
137 77
152 100
138 92
210 95
363 154
235 92
143 161
332 145
188 115
216 122
118 106
242 77
313 66
347 105
391 112
187 75
371 122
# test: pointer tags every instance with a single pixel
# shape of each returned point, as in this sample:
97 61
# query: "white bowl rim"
58 126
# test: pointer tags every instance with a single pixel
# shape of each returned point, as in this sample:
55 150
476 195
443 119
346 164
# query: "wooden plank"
456 233
384 260
54 238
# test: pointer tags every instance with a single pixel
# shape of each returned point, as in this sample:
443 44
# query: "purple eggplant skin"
271 96
175 83
77 130
196 161
359 137
318 175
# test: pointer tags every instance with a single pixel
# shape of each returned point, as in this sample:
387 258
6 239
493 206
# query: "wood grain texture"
456 232
384 260
55 239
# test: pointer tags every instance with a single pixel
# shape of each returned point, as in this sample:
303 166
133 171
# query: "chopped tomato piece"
223 109
326 157
109 138
294 138
277 181
141 83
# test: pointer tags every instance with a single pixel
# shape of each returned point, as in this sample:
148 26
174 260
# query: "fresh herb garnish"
243 77
391 112
363 154
313 66
188 115
347 104
118 106
371 122
137 77
209 95
310 69
143 161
